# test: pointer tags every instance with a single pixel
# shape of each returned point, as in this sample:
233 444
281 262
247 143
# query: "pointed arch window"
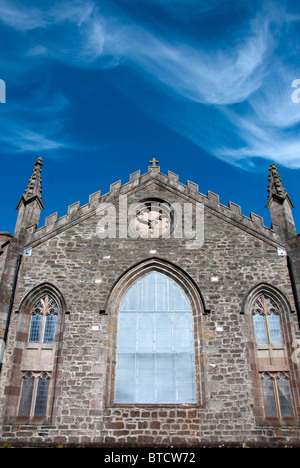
266 320
277 394
34 394
271 354
155 344
40 329
43 320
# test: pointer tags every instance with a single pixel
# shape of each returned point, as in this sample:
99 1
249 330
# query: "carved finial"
280 206
34 186
30 203
275 185
276 189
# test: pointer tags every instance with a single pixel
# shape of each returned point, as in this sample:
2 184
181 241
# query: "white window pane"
183 332
153 337
162 293
127 341
127 320
145 332
166 390
185 376
145 378
178 299
125 378
164 333
133 299
127 333
149 292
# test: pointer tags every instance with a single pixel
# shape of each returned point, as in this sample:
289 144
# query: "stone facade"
69 258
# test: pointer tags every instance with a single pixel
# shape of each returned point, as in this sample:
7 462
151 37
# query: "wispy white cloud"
35 128
24 139
250 72
21 17
268 137
216 77
219 76
244 80
25 17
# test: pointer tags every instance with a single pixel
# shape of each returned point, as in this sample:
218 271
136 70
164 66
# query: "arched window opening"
43 320
34 394
277 395
155 344
268 310
266 320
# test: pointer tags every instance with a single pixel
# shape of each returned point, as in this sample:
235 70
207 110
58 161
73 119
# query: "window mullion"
277 401
33 398
43 328
267 328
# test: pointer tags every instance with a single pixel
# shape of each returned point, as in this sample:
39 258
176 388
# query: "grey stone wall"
238 254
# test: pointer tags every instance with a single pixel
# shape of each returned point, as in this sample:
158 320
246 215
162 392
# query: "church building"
152 316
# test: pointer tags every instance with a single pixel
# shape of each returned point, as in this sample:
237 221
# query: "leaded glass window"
155 344
35 327
26 395
277 395
50 327
266 321
41 396
43 321
34 394
284 396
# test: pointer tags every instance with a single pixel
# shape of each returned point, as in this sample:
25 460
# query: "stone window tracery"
34 394
266 320
271 356
276 394
43 320
42 315
151 219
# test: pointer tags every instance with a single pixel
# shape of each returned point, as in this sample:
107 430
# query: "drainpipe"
10 308
294 288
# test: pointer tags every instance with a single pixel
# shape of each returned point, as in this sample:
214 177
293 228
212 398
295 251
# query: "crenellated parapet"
189 192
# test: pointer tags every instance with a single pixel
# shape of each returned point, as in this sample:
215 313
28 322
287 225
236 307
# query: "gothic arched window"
34 394
266 320
43 320
271 355
277 394
155 344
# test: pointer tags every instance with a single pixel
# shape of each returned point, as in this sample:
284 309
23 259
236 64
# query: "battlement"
190 191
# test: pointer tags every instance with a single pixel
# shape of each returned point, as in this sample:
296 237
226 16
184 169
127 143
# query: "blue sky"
98 88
